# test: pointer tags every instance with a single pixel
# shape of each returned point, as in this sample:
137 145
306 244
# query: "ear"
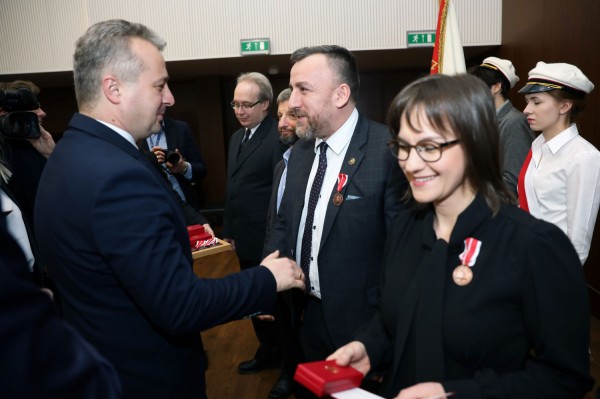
111 88
565 106
496 88
341 95
265 105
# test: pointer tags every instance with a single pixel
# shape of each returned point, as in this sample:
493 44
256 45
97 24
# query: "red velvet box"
197 233
325 377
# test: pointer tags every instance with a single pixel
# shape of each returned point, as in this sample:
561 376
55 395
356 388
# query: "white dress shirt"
338 145
562 184
16 227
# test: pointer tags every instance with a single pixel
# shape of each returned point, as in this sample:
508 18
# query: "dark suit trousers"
266 332
289 332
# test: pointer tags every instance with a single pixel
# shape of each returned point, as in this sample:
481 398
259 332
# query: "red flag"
448 56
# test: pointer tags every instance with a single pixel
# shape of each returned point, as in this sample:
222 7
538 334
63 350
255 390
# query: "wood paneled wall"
559 31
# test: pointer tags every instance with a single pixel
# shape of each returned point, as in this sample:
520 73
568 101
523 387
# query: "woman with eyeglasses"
560 179
478 298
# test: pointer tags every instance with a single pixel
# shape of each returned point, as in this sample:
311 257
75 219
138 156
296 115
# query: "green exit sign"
420 38
255 46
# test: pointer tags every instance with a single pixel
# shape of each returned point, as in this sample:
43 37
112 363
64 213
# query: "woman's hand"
425 390
353 354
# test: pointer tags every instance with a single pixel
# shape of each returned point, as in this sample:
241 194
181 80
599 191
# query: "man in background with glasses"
254 151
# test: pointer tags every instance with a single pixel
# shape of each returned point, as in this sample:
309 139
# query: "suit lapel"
352 161
254 142
103 132
170 138
300 164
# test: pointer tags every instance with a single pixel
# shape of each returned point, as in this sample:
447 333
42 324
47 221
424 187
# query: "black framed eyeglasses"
428 151
244 106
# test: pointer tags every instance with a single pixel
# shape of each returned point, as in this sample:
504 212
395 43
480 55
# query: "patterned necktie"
313 198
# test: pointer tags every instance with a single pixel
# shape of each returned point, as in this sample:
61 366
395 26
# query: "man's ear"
342 95
111 89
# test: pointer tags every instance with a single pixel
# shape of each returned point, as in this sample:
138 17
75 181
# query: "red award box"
197 233
325 377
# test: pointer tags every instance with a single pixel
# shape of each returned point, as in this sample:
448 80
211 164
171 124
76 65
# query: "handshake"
286 272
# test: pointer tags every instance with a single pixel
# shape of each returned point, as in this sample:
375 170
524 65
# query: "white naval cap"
558 76
505 67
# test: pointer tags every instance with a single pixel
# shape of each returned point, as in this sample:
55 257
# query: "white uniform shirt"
562 184
336 151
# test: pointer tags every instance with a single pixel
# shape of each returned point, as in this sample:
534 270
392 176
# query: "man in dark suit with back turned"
345 192
114 236
42 356
254 151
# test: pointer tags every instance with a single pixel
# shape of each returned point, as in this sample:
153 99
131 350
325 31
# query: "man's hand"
43 144
286 272
230 241
180 167
160 154
208 229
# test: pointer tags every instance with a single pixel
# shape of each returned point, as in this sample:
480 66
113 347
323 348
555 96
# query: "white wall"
39 35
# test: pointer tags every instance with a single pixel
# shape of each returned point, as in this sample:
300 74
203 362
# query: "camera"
19 122
172 157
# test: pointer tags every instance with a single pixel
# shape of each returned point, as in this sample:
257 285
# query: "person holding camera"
176 151
24 156
24 147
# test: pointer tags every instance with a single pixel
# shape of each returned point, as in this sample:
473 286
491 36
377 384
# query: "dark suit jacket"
272 214
515 138
519 329
27 165
38 274
116 244
249 183
179 136
42 357
353 233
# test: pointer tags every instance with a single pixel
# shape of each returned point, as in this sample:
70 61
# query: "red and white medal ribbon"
469 256
462 274
341 182
338 198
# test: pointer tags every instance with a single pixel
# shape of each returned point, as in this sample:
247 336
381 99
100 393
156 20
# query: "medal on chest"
338 198
463 274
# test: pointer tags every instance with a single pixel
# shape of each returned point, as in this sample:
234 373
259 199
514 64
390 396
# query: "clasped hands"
286 272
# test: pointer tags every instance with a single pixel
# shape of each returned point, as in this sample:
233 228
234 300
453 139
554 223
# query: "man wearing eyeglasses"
254 151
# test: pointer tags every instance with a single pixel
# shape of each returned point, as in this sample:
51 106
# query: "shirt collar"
120 132
341 137
504 105
286 155
556 143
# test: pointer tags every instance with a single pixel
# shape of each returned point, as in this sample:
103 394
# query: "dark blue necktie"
245 140
246 136
313 198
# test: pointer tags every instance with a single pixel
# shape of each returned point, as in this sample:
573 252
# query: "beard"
288 140
316 127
